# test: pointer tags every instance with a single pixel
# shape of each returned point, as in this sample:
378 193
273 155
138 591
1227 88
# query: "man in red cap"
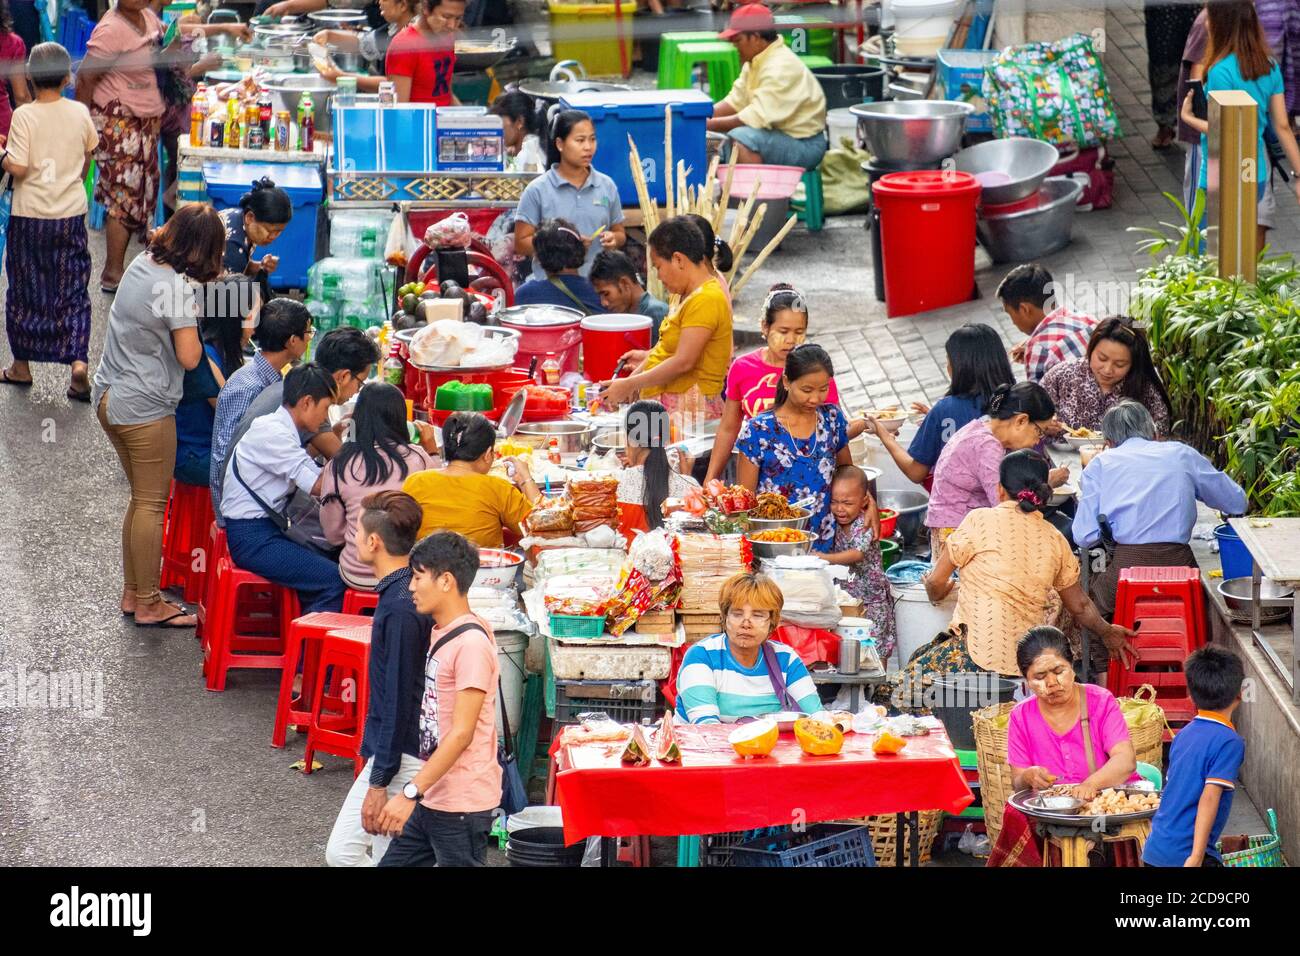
776 112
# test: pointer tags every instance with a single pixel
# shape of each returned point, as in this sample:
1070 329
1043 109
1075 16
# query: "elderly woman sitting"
1147 491
1011 560
1066 733
742 672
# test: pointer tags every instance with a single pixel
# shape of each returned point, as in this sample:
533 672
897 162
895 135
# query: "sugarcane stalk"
720 211
742 217
762 256
667 171
746 237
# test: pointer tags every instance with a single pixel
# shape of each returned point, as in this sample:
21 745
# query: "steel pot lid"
553 90
539 316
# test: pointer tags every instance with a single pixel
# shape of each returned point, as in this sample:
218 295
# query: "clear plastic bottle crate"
626 701
822 844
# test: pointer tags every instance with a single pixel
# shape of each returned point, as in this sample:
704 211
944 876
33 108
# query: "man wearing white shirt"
261 476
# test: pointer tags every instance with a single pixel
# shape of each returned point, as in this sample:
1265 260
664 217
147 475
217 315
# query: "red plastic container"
606 337
561 339
927 238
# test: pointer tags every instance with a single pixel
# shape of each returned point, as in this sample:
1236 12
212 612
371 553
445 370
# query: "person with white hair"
1146 490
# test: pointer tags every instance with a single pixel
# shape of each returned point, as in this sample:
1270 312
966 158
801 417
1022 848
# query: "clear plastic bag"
809 594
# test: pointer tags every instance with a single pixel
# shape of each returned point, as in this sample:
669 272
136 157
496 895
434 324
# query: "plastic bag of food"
491 352
556 515
604 536
652 555
594 492
809 596
451 232
445 343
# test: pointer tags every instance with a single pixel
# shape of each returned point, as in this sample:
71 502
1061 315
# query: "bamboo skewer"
742 217
667 171
721 212
746 237
767 251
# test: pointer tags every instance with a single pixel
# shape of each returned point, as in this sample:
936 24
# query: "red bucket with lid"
605 338
927 238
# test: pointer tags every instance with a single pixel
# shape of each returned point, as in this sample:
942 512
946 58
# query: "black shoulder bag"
303 528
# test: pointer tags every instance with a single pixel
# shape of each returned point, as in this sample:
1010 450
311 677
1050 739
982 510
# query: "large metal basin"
911 507
288 90
1041 225
1008 169
921 132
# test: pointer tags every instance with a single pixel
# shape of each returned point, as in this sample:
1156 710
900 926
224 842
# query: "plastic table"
713 790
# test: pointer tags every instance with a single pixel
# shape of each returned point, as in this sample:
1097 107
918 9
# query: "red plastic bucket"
561 340
606 337
927 238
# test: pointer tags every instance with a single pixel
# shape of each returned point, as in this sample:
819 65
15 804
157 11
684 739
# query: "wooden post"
1233 180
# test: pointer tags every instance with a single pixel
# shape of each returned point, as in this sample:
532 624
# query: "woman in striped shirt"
743 672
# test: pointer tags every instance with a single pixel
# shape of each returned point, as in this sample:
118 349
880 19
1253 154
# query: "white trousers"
349 842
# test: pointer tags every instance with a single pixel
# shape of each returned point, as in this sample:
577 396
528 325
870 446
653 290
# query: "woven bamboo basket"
883 829
1148 736
991 758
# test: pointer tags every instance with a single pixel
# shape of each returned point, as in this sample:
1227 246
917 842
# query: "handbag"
514 797
299 522
774 674
6 205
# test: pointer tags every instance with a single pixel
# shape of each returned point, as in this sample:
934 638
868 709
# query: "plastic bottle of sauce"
553 452
550 370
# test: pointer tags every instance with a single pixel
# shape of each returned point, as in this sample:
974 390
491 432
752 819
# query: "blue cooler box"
640 114
296 247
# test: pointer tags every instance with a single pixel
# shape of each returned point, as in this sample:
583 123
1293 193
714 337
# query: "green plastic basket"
1265 850
576 626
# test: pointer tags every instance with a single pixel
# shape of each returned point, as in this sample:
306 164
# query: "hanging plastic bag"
398 246
453 232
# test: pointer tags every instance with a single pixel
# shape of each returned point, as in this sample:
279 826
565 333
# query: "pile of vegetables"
1226 350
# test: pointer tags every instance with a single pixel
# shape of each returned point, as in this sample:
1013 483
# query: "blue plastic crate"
640 114
962 74
821 845
226 182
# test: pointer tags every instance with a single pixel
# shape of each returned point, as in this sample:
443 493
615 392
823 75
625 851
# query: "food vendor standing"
573 190
422 58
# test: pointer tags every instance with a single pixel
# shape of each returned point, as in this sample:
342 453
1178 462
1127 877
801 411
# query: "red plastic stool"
186 522
304 636
228 645
360 602
257 612
1162 592
347 652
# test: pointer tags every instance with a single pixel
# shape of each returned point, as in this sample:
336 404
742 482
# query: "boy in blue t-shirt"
1203 764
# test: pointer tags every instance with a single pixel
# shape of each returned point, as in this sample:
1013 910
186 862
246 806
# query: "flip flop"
165 622
77 396
6 380
108 289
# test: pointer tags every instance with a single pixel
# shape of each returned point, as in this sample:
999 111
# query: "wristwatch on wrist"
411 793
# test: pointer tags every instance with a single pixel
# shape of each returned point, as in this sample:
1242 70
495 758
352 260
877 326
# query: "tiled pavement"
886 361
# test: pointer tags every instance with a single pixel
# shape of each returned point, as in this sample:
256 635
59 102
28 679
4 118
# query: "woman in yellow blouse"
687 369
463 497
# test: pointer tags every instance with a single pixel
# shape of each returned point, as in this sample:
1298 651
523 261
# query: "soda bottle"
283 132
254 134
306 126
266 115
232 123
216 129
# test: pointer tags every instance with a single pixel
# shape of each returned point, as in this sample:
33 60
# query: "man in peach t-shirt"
444 815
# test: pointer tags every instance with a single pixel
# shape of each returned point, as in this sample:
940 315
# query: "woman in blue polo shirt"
572 190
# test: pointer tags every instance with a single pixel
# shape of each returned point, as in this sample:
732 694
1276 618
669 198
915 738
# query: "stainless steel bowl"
550 91
609 439
1027 234
1275 601
917 133
1008 169
763 524
472 57
911 507
779 549
572 437
280 34
288 90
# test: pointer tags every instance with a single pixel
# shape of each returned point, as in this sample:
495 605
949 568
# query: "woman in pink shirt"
752 379
1066 734
966 474
118 83
13 71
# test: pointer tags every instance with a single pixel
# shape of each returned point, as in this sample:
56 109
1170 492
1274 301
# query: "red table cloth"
714 791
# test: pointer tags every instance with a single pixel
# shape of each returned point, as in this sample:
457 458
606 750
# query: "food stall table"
713 790
1274 545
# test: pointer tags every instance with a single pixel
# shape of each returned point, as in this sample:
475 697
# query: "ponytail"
718 250
1023 476
648 427
1023 398
466 436
560 124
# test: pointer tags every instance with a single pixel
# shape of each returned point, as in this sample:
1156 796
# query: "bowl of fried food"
1078 437
891 419
774 511
779 542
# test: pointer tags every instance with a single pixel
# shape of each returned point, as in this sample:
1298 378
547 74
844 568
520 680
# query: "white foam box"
609 661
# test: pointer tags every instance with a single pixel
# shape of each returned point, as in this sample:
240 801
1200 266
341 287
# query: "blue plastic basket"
822 844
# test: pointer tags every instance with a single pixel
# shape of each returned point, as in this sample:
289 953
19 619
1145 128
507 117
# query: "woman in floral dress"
794 448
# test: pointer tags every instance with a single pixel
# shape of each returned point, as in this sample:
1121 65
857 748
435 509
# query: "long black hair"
802 360
723 258
1024 476
561 127
979 362
520 108
648 427
267 202
1023 398
224 332
378 435
466 436
1142 374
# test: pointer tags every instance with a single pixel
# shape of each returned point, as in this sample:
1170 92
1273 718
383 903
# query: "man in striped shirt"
1054 336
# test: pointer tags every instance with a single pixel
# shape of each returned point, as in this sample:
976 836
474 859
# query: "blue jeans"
440 838
257 545
779 149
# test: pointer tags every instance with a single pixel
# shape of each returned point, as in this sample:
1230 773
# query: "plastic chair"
360 602
255 612
347 653
668 46
720 59
1162 592
303 641
809 209
185 525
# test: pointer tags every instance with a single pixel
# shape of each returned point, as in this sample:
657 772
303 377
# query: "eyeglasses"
1039 428
754 617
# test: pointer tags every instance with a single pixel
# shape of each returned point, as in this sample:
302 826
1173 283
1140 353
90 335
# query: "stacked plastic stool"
185 526
1167 608
256 612
344 660
360 602
303 642
669 44
720 60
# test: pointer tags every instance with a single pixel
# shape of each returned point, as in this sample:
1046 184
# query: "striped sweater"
712 686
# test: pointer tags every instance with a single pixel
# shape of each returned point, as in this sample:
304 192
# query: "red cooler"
545 330
606 337
927 237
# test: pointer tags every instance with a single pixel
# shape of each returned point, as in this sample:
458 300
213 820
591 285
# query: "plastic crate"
592 34
576 626
961 73
627 701
716 848
822 844
640 114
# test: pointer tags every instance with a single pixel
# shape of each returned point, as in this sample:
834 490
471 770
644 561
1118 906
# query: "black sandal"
78 396
6 379
166 622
